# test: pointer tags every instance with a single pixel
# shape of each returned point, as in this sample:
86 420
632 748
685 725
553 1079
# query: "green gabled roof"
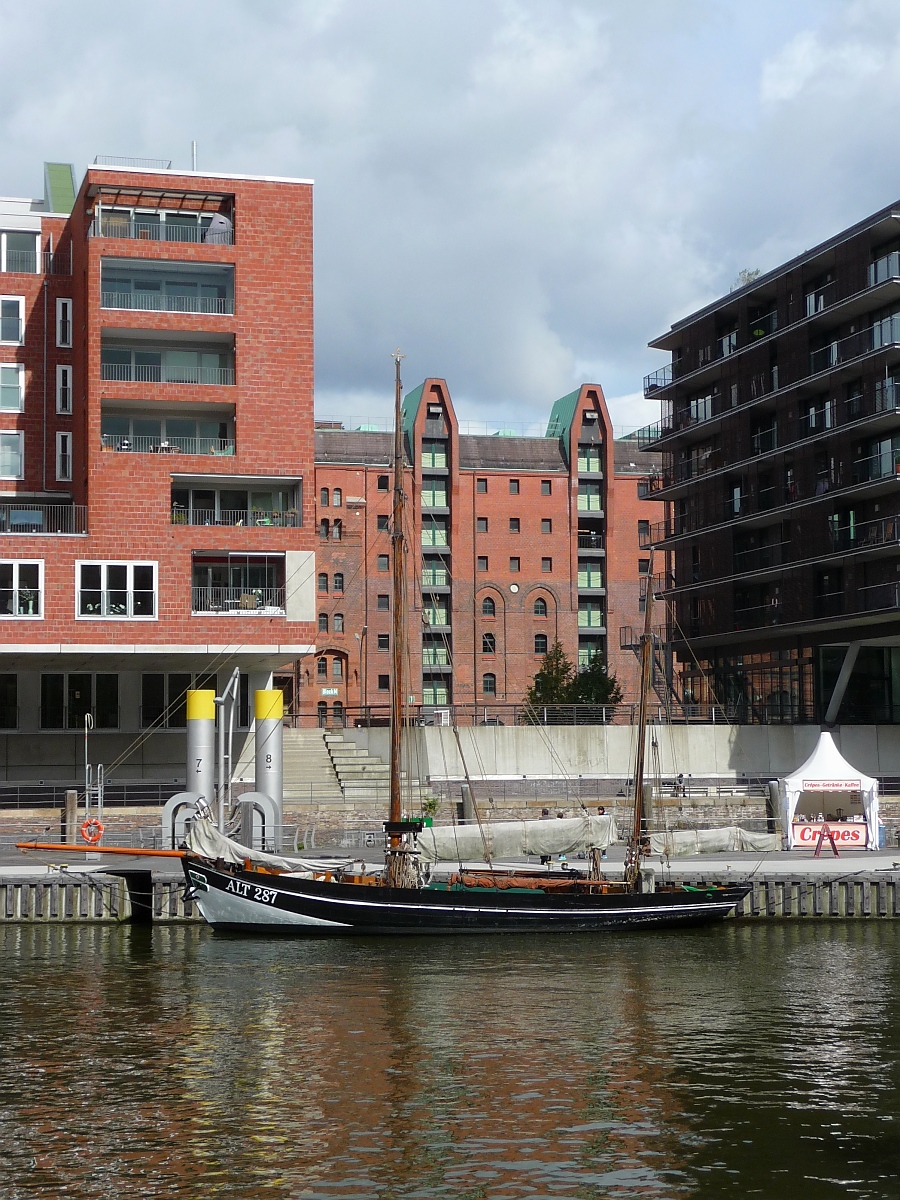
562 414
410 409
59 187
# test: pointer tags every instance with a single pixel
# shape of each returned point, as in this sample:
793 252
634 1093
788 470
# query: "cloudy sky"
520 193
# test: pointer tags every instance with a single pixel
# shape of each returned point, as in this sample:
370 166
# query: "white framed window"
64 457
12 387
21 589
19 253
12 454
63 322
63 389
12 324
116 590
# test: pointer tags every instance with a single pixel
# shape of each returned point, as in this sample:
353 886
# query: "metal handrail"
20 517
168 445
235 517
112 226
128 373
155 302
238 601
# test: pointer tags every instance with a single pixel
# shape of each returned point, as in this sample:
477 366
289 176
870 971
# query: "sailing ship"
238 888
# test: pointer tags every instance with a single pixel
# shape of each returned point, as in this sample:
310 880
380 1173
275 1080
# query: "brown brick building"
515 542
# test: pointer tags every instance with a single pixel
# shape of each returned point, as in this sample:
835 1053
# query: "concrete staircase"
364 778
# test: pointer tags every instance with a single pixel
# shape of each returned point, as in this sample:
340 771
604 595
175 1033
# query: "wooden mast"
633 859
398 606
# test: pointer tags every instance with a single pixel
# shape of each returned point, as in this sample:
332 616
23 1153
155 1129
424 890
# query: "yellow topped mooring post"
269 713
201 744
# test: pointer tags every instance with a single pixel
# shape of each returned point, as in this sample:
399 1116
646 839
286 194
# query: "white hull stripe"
218 907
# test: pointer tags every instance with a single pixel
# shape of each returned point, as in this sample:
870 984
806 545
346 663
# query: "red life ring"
92 831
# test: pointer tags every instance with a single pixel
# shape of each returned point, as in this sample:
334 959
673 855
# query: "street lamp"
363 694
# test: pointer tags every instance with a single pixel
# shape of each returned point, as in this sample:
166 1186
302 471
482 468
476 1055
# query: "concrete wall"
608 750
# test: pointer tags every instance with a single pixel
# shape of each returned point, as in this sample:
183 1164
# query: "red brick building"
514 542
156 452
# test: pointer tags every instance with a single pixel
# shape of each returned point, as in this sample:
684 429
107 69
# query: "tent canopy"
827 773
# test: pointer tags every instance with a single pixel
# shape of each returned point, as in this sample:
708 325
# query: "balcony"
592 541
32 262
165 226
878 336
235 517
154 302
172 445
166 373
884 464
25 517
435 577
435 656
141 285
662 378
238 601
879 596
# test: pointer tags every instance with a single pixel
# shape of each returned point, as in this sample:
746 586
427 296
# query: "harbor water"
749 1059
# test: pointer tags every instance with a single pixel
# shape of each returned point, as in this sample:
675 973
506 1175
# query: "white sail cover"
728 839
510 839
827 771
204 840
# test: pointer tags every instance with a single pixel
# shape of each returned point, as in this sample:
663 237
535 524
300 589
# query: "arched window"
338 581
489 684
540 607
322 713
323 582
540 643
337 713
323 622
488 607
488 643
336 530
338 622
322 667
337 668
337 497
323 498
323 528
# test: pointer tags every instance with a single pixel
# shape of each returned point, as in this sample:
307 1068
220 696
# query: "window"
481 524
383 483
337 529
64 457
337 668
540 607
338 622
11 323
434 453
12 455
63 322
489 684
434 493
434 610
591 614
546 525
488 644
323 622
488 607
324 529
590 573
322 585
21 589
67 699
481 486
322 668
384 683
63 389
482 562
384 604
643 566
515 564
384 641
322 713
383 523
164 700
12 387
514 525
435 691
323 497
540 643
546 487
384 562
514 487
107 589
339 581
435 531
337 497
643 533
589 460
9 701
20 253
590 497
546 565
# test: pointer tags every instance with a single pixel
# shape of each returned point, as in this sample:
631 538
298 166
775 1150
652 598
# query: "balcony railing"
659 379
884 268
154 302
879 595
22 517
122 373
591 541
764 326
171 445
435 578
240 602
883 333
113 226
435 656
29 262
883 531
883 465
235 517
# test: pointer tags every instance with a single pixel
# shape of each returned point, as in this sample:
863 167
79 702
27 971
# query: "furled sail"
494 840
726 839
204 839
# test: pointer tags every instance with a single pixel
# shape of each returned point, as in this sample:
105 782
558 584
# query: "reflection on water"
748 1060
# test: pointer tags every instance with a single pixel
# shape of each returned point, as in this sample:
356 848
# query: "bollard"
269 712
201 744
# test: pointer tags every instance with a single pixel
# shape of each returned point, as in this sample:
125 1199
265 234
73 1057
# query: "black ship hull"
252 902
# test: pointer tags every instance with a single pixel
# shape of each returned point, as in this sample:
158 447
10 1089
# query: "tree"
745 275
553 682
595 685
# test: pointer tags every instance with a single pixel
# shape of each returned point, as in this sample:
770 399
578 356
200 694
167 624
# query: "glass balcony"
164 226
140 285
238 584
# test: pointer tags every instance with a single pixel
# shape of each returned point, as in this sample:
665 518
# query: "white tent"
825 783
